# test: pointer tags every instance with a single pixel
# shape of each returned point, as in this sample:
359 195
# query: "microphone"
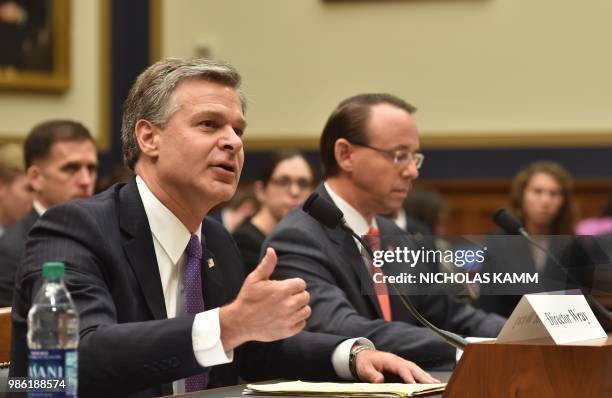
513 226
326 213
507 222
329 215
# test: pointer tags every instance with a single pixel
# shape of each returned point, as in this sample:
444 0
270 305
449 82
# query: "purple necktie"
194 302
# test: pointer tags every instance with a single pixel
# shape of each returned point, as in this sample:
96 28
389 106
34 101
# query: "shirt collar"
401 220
40 209
172 235
353 218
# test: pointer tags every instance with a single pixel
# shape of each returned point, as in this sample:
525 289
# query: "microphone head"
507 222
323 211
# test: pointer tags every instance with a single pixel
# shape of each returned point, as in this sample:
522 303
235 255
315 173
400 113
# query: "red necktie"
382 292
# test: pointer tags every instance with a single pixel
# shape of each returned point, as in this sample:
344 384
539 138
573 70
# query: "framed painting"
34 45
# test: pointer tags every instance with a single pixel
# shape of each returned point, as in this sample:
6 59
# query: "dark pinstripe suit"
12 245
128 346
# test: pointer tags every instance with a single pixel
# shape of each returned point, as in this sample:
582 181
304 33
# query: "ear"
35 177
258 188
147 136
343 152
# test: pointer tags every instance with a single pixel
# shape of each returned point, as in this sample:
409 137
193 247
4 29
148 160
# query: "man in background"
61 164
369 153
15 193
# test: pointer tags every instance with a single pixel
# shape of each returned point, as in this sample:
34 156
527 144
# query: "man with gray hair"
161 297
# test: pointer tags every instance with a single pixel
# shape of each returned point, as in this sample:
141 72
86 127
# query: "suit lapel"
215 295
139 250
30 219
352 259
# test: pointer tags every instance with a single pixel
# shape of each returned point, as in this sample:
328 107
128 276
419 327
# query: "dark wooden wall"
473 201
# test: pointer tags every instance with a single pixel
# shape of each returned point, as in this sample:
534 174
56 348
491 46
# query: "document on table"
302 388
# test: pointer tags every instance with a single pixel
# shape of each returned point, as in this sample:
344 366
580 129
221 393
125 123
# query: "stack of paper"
344 389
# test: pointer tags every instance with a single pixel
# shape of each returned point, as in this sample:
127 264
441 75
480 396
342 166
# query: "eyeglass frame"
286 183
416 158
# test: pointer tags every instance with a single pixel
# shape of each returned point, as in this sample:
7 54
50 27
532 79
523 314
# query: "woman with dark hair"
286 179
542 199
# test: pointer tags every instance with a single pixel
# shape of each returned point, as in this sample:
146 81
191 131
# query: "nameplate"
565 317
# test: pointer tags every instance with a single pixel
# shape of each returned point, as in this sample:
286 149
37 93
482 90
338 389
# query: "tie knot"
373 231
194 248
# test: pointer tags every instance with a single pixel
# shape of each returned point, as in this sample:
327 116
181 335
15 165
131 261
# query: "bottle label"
57 366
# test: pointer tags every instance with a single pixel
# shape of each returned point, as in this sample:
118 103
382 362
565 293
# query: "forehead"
391 126
294 166
194 95
69 151
543 179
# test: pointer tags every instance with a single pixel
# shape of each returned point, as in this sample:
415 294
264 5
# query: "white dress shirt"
353 218
40 209
170 238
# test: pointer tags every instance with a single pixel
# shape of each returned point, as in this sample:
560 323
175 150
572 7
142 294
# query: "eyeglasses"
303 184
400 157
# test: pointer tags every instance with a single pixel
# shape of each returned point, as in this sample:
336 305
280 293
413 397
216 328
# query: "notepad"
352 390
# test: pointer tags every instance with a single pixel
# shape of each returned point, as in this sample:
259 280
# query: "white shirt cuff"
206 340
342 353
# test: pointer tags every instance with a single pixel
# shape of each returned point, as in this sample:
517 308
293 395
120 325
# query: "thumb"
265 267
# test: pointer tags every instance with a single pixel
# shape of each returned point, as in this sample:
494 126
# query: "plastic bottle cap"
53 270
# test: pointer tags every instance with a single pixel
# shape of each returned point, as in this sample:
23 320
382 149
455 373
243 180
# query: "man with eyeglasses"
369 153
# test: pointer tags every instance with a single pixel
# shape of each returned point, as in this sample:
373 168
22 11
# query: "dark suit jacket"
12 245
329 261
127 345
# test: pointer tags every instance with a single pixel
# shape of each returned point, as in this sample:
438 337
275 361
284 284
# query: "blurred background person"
15 193
597 225
424 214
119 174
61 164
239 208
542 199
285 181
428 208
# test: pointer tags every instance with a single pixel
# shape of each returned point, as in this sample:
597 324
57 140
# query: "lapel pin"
210 262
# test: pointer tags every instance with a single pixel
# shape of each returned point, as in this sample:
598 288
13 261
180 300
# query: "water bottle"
53 337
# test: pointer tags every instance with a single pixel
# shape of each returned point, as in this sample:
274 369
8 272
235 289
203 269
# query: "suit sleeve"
301 255
305 356
112 355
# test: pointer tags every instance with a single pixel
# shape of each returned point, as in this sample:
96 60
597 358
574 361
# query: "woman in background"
286 179
542 199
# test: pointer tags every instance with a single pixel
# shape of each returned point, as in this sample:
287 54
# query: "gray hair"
150 96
